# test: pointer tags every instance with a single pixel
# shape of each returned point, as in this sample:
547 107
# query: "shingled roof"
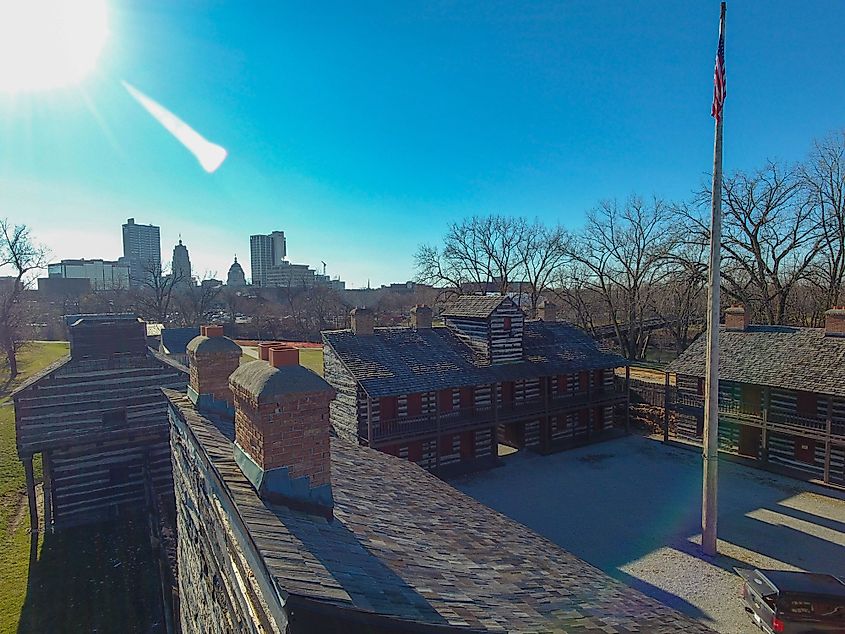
395 361
404 544
480 306
776 356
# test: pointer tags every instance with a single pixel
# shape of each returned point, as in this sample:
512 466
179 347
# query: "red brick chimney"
547 311
420 317
736 318
211 359
282 430
362 321
834 322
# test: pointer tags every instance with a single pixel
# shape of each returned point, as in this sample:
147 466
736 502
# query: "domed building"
236 275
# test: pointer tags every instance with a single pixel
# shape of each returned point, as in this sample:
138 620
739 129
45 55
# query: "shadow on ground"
95 578
632 507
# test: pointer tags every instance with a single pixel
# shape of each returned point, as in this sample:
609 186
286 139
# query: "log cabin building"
99 421
445 397
781 394
283 527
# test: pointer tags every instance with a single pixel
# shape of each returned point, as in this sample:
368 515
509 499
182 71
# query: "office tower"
141 250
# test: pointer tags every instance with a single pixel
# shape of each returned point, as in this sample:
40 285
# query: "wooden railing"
467 419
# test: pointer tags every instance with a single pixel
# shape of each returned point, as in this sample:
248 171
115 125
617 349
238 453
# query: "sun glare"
46 44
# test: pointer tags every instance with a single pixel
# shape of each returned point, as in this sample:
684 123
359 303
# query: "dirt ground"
632 507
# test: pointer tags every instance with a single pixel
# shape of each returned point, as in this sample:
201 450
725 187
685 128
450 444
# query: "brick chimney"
362 321
420 317
211 359
736 318
282 431
547 311
834 322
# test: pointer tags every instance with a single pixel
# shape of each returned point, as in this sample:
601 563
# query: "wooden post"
829 429
667 402
627 399
589 403
30 492
764 436
494 404
48 490
369 422
437 421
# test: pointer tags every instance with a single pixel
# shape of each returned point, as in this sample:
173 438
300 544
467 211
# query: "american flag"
719 85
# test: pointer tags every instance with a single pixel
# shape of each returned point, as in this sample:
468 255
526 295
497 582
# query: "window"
114 418
506 324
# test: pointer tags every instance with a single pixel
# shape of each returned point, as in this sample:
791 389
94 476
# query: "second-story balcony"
471 418
743 414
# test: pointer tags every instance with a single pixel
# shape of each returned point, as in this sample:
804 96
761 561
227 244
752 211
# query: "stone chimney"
736 318
547 311
834 322
362 321
420 317
211 359
282 431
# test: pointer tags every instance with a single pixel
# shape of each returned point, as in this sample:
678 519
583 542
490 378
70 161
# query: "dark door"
507 394
467 399
414 405
751 397
749 441
445 401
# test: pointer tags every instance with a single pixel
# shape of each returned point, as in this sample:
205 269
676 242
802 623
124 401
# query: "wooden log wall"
474 333
506 343
99 420
344 410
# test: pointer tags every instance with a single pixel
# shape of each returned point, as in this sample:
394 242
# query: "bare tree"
542 253
156 293
824 178
195 303
479 254
21 256
624 252
770 236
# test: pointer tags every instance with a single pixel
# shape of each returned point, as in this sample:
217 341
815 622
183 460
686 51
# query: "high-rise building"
266 251
236 275
141 250
181 266
104 275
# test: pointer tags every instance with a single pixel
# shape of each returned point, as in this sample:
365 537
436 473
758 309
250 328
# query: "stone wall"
218 590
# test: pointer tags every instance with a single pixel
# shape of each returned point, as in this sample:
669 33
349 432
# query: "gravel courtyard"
632 507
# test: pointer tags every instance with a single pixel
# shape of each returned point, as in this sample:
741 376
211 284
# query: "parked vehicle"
794 602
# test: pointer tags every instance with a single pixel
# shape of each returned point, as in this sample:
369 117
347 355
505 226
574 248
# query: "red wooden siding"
414 404
387 408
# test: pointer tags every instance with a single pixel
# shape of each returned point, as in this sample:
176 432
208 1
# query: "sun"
47 44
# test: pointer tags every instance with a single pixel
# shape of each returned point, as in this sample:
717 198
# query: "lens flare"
47 44
210 155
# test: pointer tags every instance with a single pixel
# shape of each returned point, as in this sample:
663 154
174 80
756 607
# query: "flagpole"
710 485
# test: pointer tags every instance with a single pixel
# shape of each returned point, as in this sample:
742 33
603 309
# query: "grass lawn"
312 358
14 520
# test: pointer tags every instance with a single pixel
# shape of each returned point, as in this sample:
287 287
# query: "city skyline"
447 112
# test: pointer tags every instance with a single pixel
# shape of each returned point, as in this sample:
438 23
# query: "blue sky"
363 128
